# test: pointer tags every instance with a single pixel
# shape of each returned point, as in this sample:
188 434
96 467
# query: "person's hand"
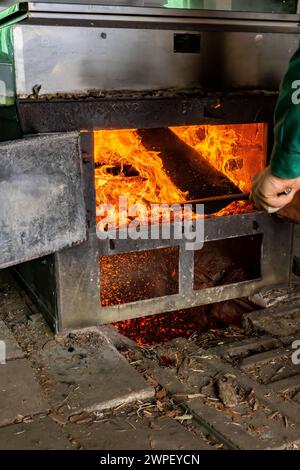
271 193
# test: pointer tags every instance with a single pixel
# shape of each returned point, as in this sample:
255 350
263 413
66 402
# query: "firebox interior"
177 164
229 261
131 277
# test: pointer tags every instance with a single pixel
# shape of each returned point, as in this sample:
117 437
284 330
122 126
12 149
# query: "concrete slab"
247 425
290 384
40 434
256 360
136 434
297 397
279 321
243 348
82 377
217 423
13 350
20 394
267 298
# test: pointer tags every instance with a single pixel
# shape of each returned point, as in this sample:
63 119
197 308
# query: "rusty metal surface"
41 197
69 115
142 111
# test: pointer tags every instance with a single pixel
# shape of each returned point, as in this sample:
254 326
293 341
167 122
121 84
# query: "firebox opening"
213 164
219 263
229 261
176 165
135 276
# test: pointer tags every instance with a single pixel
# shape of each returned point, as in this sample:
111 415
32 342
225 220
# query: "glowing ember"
148 331
235 208
166 326
135 276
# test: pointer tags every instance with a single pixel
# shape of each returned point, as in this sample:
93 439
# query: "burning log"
187 168
238 151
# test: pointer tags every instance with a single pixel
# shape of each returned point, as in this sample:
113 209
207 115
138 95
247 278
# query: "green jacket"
285 161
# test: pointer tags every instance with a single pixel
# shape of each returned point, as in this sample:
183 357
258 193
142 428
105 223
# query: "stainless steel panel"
78 60
41 197
199 8
246 60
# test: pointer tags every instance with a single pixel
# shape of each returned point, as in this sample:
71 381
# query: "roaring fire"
125 168
238 151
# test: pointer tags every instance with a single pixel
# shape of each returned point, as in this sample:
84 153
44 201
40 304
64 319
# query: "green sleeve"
285 161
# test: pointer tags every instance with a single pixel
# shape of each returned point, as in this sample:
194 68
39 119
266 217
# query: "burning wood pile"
175 166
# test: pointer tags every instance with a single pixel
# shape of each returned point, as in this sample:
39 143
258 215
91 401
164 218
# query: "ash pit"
131 277
161 328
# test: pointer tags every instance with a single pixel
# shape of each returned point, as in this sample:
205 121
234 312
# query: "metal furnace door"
42 207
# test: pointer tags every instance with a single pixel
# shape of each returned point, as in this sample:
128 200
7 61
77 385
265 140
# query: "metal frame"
38 9
116 111
110 52
69 291
243 21
78 276
77 272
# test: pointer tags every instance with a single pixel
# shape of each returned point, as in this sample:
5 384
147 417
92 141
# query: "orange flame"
238 151
128 169
124 167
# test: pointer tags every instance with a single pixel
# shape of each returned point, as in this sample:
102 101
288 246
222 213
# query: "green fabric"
13 14
9 123
9 11
285 160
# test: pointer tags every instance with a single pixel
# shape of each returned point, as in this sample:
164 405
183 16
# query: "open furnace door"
42 208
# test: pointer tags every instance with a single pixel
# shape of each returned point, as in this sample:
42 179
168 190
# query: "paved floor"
78 391
236 388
